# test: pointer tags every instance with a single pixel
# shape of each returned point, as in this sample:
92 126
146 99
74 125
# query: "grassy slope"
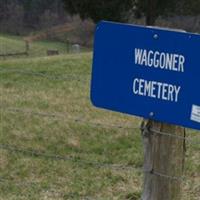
27 176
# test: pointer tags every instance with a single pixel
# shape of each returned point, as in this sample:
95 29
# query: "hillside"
55 145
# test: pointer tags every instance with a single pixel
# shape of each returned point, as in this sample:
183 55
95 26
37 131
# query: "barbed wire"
174 136
17 183
153 172
51 193
65 116
154 131
43 75
78 120
56 157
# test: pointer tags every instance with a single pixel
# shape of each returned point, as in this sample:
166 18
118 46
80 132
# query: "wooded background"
22 17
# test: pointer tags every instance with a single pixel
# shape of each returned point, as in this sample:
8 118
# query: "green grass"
11 44
86 143
25 175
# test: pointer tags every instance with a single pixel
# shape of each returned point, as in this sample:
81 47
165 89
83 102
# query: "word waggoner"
156 59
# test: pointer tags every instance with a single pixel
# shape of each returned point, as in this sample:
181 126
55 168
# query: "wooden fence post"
27 46
164 150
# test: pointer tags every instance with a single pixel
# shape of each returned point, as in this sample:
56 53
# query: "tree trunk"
151 12
163 161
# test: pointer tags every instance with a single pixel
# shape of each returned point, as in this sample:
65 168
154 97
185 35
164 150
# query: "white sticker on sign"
195 115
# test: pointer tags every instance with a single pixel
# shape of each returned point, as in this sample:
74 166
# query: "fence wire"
65 77
56 157
51 193
65 116
188 139
37 153
98 165
154 131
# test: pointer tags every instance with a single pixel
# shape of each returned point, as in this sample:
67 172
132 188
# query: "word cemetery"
155 89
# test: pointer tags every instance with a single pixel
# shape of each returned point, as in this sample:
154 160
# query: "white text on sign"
155 89
159 60
156 59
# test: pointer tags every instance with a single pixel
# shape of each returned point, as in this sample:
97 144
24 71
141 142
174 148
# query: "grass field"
55 145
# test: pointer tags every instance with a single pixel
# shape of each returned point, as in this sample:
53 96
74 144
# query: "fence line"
65 117
18 183
9 181
175 178
98 165
56 157
174 136
43 75
78 120
153 131
14 54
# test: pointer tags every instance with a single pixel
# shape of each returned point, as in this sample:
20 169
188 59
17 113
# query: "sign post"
152 73
164 154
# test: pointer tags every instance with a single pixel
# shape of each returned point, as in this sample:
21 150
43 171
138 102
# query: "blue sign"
148 72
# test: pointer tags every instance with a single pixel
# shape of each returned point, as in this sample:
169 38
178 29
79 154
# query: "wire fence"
110 166
37 153
50 193
65 77
65 116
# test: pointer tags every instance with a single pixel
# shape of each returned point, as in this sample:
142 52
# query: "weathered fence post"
27 46
164 149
